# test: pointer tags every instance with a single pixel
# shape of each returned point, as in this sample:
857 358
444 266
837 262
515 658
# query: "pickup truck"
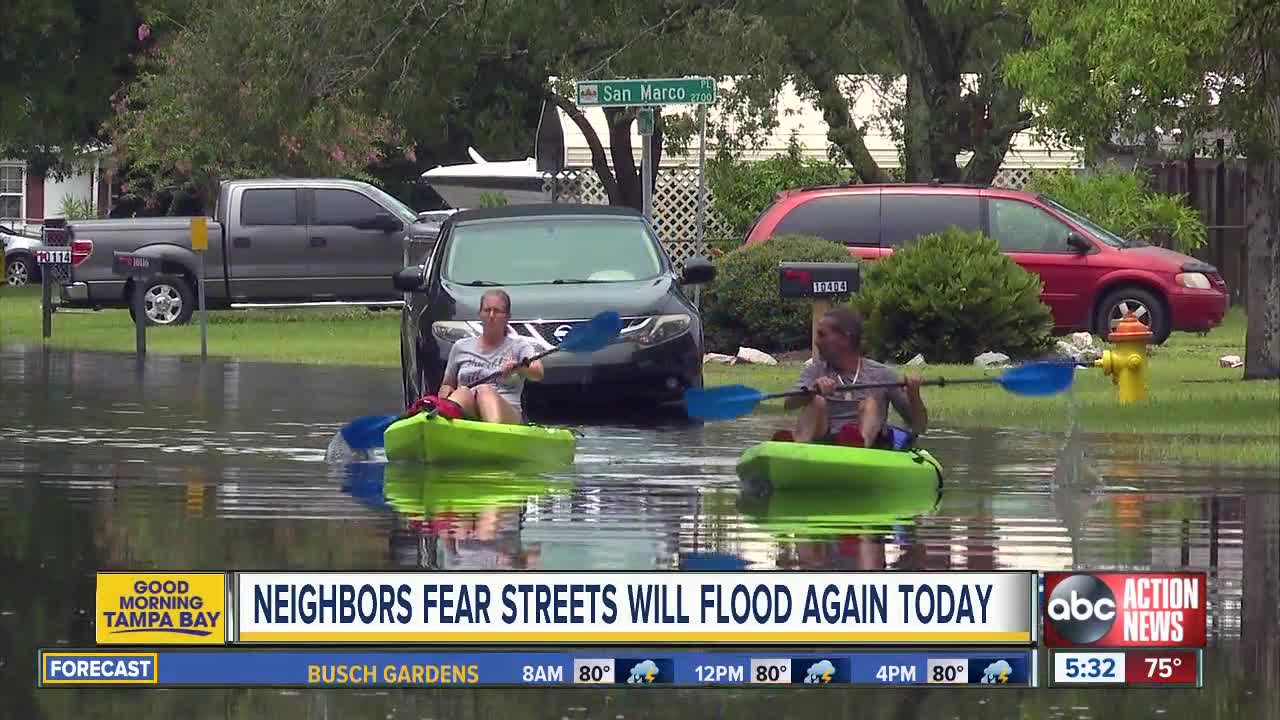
272 242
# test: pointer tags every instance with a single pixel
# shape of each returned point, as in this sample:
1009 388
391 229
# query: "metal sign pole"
204 317
200 244
702 195
46 301
140 314
646 174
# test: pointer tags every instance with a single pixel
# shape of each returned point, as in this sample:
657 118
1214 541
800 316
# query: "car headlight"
1198 281
659 329
454 330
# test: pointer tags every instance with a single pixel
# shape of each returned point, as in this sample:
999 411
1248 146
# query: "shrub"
1120 201
742 306
952 296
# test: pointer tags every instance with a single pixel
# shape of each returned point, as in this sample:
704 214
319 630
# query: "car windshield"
1095 229
547 250
406 213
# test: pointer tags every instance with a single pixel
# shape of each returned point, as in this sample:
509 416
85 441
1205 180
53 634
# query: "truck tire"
168 300
1146 305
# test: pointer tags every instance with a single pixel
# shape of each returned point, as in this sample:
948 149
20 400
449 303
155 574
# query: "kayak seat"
850 435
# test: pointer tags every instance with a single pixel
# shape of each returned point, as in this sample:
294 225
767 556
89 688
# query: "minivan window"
1021 227
1098 231
275 206
847 219
543 250
905 217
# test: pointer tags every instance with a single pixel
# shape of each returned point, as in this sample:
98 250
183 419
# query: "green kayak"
436 440
813 466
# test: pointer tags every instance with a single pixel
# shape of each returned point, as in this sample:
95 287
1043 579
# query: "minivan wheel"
1149 309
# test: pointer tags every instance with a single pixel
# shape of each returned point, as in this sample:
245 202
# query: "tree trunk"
1262 340
842 131
599 162
624 159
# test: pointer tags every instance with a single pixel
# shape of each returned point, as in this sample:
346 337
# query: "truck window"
907 217
846 219
276 206
343 207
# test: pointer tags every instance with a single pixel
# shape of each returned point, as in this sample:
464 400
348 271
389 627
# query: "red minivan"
1091 277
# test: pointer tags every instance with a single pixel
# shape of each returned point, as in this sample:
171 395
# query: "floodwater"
106 463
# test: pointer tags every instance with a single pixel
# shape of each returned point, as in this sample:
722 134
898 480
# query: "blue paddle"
733 401
366 432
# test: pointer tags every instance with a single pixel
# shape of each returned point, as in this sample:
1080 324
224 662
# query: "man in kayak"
856 417
471 359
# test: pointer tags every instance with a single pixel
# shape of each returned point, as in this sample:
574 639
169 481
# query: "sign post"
200 244
821 281
140 268
51 260
648 94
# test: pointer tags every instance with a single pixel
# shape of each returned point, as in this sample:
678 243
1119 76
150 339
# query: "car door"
906 216
1037 241
347 261
267 257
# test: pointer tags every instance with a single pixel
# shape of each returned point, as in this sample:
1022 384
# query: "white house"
28 199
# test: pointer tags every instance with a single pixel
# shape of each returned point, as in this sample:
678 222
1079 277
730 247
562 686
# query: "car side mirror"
697 271
1078 243
409 279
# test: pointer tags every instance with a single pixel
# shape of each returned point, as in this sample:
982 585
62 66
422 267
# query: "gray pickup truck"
271 242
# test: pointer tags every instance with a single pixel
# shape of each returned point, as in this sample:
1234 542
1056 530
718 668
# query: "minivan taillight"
80 251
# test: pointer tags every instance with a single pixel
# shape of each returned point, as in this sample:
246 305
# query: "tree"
62 60
1105 69
950 54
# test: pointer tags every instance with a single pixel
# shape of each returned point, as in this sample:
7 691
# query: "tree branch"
934 42
598 161
841 128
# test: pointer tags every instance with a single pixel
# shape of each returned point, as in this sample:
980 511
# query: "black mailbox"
817 279
135 266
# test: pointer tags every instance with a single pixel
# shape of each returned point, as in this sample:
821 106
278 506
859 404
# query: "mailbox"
135 266
818 279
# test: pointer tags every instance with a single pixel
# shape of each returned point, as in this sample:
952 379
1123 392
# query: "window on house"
12 179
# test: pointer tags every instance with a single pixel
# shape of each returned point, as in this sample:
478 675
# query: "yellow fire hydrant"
1127 362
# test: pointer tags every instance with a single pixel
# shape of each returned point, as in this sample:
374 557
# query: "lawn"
1197 411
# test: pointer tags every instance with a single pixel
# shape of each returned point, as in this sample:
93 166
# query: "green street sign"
648 92
645 120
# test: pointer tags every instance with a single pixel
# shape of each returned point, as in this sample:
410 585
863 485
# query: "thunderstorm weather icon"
643 673
820 673
996 672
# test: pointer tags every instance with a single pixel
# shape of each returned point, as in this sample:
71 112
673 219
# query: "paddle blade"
594 334
1038 379
722 403
365 432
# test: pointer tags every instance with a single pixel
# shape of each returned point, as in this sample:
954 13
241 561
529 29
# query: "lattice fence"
675 203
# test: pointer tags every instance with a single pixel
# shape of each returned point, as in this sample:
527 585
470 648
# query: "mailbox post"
821 281
140 268
54 258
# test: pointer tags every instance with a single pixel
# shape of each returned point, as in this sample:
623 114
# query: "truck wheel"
1149 309
19 271
168 300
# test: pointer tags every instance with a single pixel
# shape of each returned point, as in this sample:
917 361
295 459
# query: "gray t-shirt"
846 407
469 362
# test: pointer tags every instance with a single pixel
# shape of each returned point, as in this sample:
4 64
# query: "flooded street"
106 465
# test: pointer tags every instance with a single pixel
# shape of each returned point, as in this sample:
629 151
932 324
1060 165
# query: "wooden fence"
1218 191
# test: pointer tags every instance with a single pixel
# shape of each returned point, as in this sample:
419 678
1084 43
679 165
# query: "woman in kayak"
856 417
471 359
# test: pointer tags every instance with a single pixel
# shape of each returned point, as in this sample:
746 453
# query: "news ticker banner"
538 607
228 668
1127 668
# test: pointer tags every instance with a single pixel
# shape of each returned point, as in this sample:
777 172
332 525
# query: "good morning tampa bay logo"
183 608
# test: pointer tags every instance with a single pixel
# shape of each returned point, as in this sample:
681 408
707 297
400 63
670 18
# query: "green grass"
334 336
1197 411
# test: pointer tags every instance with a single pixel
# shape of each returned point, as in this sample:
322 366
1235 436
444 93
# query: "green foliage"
76 208
1121 201
741 190
492 199
742 306
951 296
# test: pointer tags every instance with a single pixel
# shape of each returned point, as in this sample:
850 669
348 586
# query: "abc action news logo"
1124 609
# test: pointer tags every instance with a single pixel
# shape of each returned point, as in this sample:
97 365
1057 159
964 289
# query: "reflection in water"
221 466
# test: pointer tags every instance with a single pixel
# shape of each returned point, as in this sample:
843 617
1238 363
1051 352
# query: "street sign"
644 121
199 234
646 92
53 256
